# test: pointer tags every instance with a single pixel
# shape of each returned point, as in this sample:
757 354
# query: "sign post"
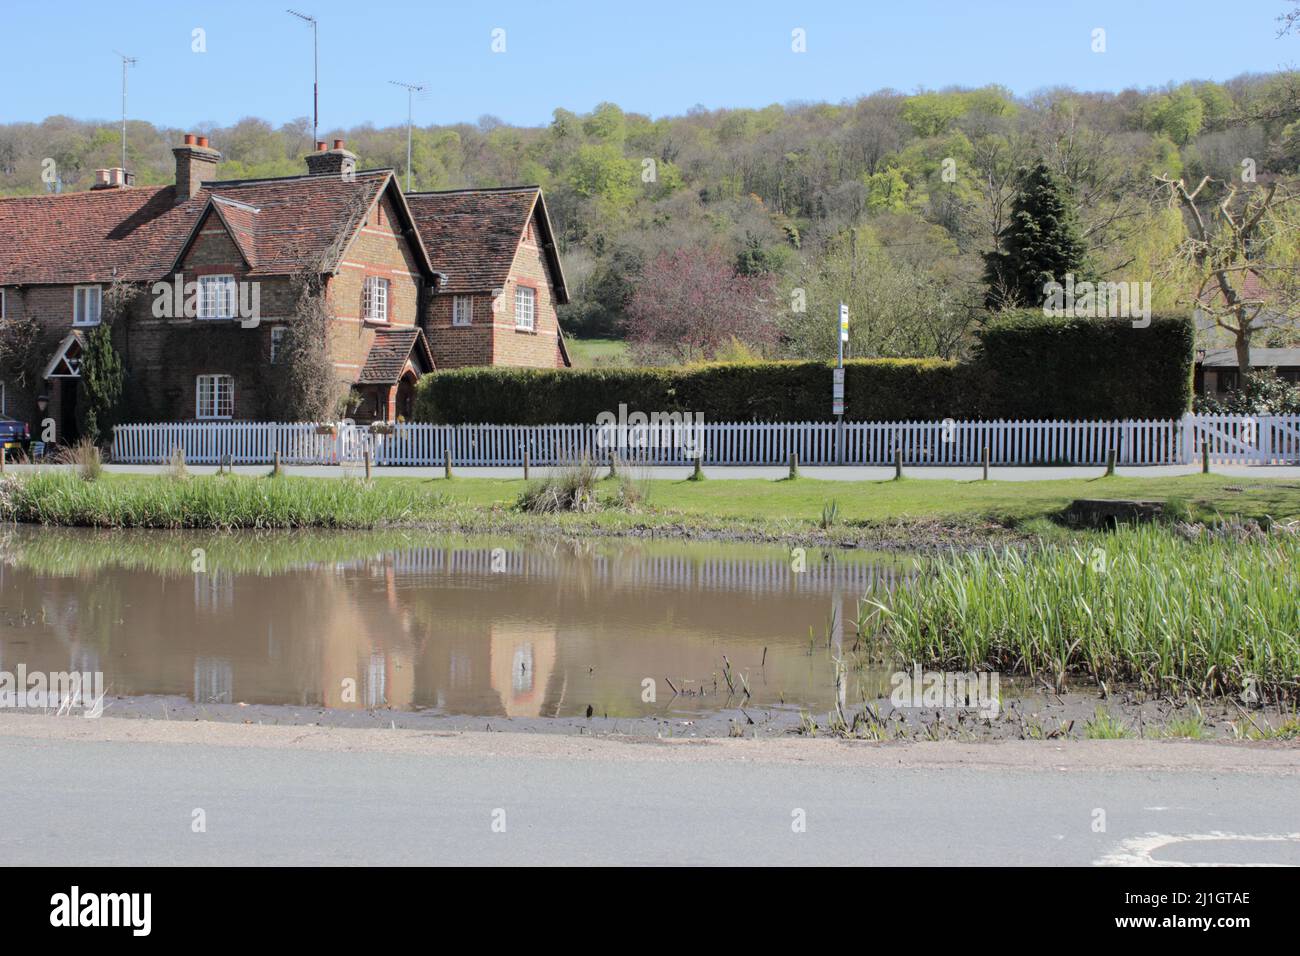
837 386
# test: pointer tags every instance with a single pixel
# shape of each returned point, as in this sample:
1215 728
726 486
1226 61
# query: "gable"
212 244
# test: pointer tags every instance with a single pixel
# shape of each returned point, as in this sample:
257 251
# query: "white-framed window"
374 299
525 307
462 310
87 301
216 297
277 342
214 396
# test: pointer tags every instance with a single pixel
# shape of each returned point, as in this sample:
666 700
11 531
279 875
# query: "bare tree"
1228 246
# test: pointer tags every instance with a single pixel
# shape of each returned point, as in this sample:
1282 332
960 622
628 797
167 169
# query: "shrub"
1086 369
1263 393
1026 367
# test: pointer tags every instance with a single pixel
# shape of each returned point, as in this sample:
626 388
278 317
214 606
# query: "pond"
448 625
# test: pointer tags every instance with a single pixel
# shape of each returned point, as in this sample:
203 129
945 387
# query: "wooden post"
1205 458
794 464
986 462
367 458
898 462
446 463
4 453
613 463
525 463
699 468
275 467
1110 462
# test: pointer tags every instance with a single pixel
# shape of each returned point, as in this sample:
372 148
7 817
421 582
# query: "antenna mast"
126 61
411 90
315 73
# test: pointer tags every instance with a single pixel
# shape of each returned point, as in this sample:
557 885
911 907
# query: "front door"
69 392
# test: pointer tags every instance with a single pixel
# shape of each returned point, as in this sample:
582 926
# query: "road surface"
117 791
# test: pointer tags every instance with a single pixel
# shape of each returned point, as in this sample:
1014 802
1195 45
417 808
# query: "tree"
689 304
1040 244
1241 250
101 383
102 373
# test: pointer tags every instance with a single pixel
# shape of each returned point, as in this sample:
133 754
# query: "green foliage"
1099 369
1263 393
1026 368
101 383
1163 613
1040 244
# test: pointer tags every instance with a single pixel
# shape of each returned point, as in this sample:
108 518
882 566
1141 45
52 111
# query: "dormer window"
374 299
87 301
216 297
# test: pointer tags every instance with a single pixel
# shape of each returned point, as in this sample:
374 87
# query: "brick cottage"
414 283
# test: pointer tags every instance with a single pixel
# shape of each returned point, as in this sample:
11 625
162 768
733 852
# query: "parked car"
14 434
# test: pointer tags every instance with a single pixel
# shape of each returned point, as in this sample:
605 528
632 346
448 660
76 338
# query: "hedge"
1021 369
1088 369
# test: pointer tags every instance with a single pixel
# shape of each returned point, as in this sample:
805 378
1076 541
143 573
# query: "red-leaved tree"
689 304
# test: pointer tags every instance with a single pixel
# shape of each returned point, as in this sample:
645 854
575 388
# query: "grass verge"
908 513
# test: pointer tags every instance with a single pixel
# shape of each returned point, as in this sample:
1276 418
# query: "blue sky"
659 57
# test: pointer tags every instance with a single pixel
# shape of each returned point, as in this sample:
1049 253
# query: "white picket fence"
1231 439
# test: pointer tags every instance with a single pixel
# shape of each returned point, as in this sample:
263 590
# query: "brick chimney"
196 163
332 162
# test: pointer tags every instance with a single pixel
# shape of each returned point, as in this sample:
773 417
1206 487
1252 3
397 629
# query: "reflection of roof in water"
747 575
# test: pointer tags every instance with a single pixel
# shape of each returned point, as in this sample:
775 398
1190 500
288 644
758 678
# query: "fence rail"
1237 439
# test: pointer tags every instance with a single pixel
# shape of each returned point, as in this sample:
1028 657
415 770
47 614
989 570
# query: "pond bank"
880 515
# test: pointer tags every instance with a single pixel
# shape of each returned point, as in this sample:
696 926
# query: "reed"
1206 614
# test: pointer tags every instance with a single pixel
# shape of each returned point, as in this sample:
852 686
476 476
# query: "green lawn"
756 509
587 353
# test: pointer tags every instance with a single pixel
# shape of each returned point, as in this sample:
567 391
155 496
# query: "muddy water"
454 626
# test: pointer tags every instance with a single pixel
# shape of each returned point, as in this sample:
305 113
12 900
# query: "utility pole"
411 90
126 61
315 74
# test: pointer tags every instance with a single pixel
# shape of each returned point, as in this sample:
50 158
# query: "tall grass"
571 487
225 502
1209 615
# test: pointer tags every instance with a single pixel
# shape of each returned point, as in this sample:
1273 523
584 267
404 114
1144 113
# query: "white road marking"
1136 851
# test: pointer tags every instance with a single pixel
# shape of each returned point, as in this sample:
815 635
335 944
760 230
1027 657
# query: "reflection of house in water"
214 681
522 657
554 632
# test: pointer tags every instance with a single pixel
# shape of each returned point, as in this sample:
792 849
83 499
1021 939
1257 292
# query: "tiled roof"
93 236
137 234
282 224
1259 358
389 353
472 234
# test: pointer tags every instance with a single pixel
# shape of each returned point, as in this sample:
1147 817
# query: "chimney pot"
320 145
333 162
196 163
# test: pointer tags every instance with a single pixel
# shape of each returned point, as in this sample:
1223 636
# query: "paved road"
829 473
130 797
